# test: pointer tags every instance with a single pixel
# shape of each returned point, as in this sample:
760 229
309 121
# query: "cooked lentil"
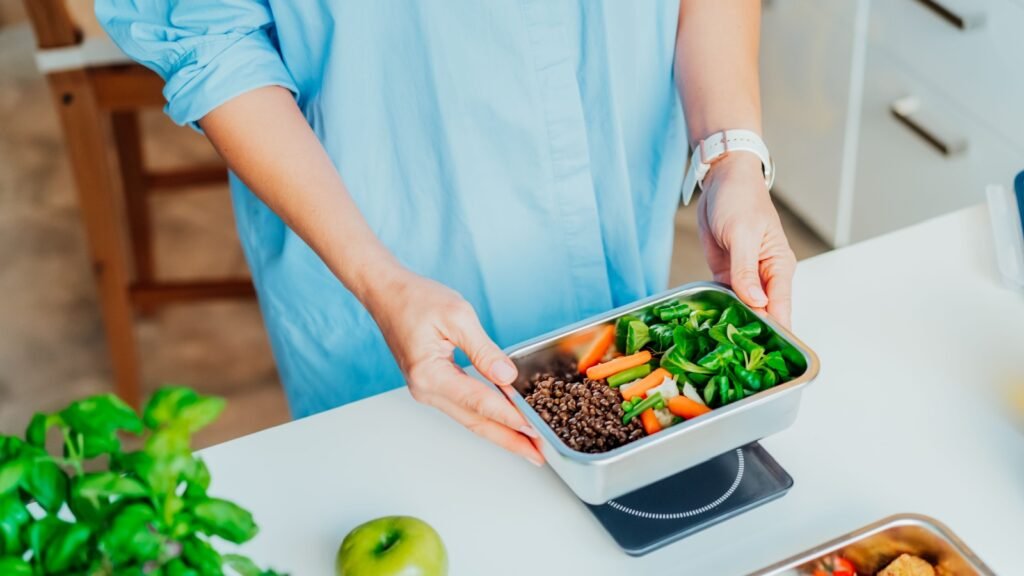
586 414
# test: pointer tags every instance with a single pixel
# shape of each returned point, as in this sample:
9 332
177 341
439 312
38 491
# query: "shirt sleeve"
207 51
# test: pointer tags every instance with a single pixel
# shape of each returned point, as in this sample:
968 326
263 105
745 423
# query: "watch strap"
718 145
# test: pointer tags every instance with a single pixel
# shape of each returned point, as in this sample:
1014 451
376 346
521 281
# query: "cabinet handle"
904 109
961 21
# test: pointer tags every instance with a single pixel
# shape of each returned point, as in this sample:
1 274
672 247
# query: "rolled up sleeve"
207 51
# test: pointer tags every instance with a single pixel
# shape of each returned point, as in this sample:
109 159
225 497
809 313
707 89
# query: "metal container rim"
895 521
534 344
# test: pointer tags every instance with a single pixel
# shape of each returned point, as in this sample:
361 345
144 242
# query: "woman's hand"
743 238
423 323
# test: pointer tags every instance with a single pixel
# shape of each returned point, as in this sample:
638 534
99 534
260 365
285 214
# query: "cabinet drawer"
806 55
902 177
979 66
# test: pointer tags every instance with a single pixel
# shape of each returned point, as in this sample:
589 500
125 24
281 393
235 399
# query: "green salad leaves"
96 509
728 354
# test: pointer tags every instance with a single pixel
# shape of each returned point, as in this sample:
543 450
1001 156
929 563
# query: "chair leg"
84 133
131 164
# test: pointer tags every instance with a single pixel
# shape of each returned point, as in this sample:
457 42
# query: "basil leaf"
242 565
201 556
200 413
637 335
96 444
15 567
67 548
177 567
101 415
46 482
35 434
131 537
10 447
225 519
198 475
39 533
107 484
11 473
13 515
167 442
165 404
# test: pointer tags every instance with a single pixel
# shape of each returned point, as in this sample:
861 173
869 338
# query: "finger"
744 254
779 283
476 397
467 333
492 431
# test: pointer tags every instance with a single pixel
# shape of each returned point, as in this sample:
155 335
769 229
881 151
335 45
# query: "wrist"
734 164
375 279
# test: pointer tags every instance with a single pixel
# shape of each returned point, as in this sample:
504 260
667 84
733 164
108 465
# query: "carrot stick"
650 422
640 388
616 365
574 342
597 348
685 408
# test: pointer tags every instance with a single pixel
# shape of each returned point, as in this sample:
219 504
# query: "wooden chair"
98 94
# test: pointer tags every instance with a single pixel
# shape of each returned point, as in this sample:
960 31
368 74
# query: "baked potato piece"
907 565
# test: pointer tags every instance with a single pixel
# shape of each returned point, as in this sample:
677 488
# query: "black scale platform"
692 500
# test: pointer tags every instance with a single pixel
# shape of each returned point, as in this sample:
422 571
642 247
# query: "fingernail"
529 431
503 371
535 460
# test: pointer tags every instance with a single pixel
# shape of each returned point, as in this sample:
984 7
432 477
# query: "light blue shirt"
527 153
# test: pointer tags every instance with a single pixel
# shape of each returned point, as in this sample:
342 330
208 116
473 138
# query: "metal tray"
873 547
597 478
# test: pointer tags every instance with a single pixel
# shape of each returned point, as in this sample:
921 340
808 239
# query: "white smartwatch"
716 146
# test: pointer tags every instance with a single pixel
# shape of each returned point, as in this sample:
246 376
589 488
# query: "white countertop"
916 339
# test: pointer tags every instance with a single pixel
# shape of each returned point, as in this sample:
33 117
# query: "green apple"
392 546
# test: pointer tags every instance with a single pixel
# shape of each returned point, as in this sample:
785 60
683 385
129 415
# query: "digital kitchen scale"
692 500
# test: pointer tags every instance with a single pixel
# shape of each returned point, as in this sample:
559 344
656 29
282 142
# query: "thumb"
744 256
484 354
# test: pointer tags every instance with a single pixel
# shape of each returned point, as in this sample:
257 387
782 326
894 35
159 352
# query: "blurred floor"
52 348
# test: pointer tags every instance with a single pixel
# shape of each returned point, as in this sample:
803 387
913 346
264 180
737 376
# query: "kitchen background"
866 112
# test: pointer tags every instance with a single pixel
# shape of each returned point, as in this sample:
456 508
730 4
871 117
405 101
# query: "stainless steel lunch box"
597 478
873 547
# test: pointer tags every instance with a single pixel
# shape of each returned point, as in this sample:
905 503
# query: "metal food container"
873 547
597 478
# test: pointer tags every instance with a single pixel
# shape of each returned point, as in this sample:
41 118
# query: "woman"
418 175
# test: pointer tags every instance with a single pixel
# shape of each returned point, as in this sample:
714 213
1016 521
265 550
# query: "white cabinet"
806 51
831 75
937 163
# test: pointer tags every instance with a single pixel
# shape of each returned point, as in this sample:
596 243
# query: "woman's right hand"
423 323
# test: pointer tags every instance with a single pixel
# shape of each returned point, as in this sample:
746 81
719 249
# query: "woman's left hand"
742 236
